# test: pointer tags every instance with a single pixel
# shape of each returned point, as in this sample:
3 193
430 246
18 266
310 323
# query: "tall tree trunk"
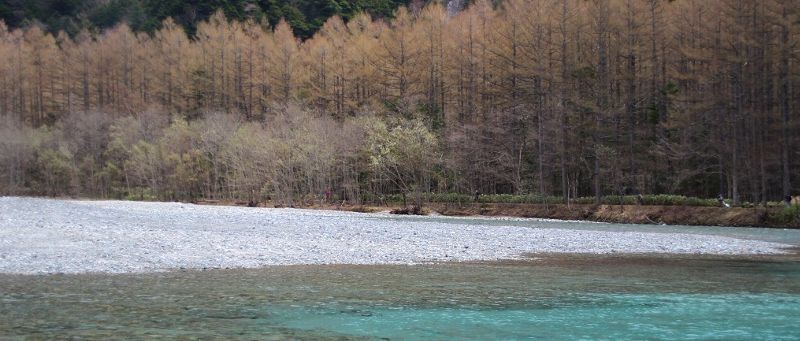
562 119
630 105
784 98
602 88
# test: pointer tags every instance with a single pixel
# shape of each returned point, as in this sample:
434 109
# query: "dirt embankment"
631 214
671 215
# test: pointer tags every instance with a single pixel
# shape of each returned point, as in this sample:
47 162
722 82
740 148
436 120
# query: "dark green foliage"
790 215
71 16
585 72
652 114
56 15
661 199
670 89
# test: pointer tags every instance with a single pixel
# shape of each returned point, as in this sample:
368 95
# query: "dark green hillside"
305 16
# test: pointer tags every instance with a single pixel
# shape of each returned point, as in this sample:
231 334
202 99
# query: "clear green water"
557 297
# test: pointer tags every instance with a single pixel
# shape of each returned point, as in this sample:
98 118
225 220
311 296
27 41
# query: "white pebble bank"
67 236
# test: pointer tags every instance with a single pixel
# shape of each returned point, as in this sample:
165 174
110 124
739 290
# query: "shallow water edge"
551 297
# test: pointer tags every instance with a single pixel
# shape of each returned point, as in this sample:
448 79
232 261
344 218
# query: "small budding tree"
404 152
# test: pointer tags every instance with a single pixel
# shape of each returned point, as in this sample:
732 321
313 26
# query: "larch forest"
554 98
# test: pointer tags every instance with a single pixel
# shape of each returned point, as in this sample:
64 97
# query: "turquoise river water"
552 297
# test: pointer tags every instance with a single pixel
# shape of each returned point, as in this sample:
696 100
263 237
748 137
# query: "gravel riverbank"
70 236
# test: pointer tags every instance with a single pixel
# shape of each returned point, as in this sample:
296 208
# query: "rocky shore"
73 236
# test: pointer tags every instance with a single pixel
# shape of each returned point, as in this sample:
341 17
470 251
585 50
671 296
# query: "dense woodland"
72 16
560 98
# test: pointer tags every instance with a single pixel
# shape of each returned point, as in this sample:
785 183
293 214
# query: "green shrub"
140 193
790 215
448 197
650 199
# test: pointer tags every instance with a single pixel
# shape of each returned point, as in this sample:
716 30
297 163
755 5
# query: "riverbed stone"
78 236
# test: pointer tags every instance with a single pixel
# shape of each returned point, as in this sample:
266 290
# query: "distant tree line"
73 16
561 98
